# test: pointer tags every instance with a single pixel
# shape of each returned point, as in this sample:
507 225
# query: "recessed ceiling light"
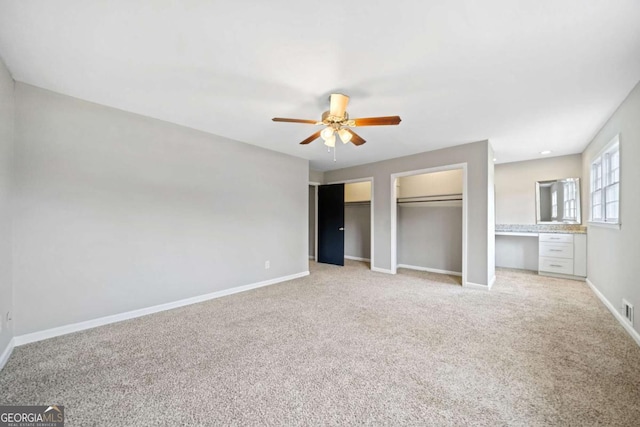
545 152
494 159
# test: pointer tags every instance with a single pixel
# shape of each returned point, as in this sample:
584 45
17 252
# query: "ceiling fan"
337 121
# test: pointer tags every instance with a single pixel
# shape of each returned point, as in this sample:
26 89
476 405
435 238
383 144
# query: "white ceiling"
527 75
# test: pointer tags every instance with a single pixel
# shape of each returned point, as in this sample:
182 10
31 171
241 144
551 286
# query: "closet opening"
357 221
429 221
345 206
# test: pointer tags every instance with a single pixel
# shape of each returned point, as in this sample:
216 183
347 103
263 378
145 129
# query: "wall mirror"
558 201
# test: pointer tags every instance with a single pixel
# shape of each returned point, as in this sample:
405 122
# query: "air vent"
627 311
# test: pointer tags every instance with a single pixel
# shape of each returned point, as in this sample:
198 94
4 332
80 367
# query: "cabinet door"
580 255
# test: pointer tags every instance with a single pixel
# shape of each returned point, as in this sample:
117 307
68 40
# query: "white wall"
515 185
480 216
6 160
116 212
612 255
491 215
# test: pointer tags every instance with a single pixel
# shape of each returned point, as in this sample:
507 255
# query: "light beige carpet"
348 346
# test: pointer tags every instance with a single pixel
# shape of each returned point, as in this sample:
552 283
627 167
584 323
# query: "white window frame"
603 178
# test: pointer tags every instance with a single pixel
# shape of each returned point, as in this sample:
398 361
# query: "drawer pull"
555 250
555 265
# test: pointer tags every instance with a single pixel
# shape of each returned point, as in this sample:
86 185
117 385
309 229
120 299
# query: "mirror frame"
578 210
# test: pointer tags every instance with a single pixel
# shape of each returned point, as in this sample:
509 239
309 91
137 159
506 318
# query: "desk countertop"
534 229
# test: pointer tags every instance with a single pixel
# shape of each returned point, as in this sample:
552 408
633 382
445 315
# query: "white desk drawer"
556 237
560 250
556 265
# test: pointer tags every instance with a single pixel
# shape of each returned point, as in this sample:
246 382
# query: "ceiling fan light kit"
344 135
337 120
327 133
330 142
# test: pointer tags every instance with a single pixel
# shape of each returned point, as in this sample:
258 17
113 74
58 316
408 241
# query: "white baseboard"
7 353
382 270
561 276
312 257
477 286
634 334
431 270
356 258
81 326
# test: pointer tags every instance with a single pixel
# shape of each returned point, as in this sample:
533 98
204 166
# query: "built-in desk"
516 233
555 252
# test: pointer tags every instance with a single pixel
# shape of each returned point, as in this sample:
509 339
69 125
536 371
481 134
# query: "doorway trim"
394 212
372 228
315 221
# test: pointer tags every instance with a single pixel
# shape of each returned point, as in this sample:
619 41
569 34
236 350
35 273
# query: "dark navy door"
331 224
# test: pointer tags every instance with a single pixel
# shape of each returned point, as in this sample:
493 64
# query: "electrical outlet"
267 265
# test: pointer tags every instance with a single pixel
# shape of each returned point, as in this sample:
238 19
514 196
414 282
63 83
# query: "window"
554 204
605 185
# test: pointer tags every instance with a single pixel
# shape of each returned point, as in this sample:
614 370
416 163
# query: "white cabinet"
563 255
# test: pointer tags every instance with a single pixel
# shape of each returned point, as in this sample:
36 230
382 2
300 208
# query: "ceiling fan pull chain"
334 153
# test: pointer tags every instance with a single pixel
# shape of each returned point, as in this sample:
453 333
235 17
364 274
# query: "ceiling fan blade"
355 138
311 138
338 104
280 119
377 121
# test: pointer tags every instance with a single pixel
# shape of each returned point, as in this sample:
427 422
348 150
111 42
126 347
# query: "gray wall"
357 230
430 237
116 212
316 176
312 221
517 252
481 220
6 155
612 255
515 185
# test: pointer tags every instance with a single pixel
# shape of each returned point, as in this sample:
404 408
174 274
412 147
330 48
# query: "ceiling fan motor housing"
328 119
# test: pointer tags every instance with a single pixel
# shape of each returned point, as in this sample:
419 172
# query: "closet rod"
428 201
